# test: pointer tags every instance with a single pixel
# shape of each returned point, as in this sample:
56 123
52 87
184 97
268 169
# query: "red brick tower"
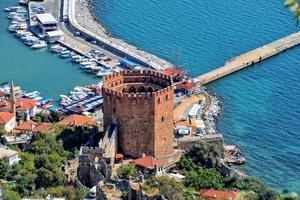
140 103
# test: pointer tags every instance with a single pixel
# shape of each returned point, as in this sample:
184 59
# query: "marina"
91 66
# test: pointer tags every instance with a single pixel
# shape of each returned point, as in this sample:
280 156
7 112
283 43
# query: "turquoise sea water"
36 69
261 104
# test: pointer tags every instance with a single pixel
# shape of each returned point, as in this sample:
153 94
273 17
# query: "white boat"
39 45
65 52
79 60
76 57
87 63
65 55
63 96
38 98
104 72
30 94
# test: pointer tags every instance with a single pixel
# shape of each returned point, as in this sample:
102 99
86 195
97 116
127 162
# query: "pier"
250 58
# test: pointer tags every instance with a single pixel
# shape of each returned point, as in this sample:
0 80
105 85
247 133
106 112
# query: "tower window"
132 89
158 101
162 119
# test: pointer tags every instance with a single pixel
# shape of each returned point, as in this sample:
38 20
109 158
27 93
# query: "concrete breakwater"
251 57
82 19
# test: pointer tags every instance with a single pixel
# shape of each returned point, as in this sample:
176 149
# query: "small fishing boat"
39 45
87 63
65 55
104 72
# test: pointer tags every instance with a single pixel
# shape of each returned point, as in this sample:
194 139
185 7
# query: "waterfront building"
46 22
77 120
25 109
9 155
185 87
7 121
211 194
54 36
140 105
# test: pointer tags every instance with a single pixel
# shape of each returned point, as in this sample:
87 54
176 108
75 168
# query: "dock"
250 58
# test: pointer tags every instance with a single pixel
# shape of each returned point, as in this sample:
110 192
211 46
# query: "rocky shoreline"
86 18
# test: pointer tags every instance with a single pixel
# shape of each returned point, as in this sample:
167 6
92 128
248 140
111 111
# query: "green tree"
204 178
205 154
73 138
126 171
188 194
24 184
46 178
27 161
37 118
56 191
169 187
186 164
4 168
247 195
10 194
253 184
56 116
43 161
80 193
294 7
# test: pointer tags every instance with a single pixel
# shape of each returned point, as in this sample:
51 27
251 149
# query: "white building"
53 36
9 155
7 121
25 108
46 22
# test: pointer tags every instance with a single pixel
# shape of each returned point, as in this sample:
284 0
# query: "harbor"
87 51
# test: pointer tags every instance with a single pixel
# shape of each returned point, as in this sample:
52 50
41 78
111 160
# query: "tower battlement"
140 103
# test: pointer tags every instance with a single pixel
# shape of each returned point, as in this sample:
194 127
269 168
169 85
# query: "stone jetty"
250 58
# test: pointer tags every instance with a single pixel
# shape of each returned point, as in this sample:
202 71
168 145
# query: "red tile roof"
173 71
148 162
119 156
218 194
42 128
21 104
185 85
5 117
26 126
33 127
77 120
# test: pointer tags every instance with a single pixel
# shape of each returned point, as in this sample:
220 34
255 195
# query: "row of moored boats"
87 64
80 93
18 16
43 102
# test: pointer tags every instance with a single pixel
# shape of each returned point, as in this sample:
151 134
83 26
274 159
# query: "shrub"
126 171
